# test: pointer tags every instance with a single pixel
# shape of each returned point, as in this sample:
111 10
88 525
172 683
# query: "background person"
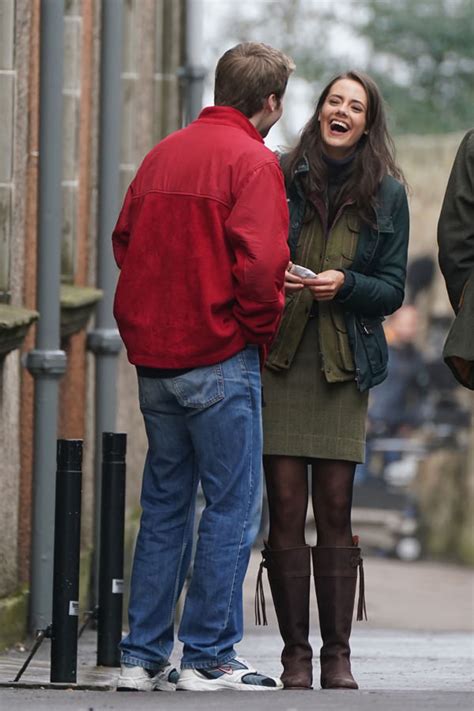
201 245
349 224
396 405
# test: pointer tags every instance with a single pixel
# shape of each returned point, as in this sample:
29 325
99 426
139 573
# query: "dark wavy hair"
374 154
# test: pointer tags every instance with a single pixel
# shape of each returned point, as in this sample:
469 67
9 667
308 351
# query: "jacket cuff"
346 289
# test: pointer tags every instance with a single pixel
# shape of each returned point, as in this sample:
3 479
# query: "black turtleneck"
338 172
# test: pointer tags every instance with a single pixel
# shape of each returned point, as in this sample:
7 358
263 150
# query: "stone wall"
445 483
15 23
152 53
426 162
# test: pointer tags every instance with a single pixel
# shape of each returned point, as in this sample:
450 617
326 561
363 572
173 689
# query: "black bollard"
109 627
67 543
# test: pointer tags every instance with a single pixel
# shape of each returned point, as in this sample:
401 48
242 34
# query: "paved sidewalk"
416 651
396 670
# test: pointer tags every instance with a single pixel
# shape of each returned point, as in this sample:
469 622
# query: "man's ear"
272 102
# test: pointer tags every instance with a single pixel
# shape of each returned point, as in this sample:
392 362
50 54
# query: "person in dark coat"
456 260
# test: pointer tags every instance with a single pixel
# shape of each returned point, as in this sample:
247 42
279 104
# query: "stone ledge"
13 618
14 324
77 306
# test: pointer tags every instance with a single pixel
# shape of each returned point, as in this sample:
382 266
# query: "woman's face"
343 118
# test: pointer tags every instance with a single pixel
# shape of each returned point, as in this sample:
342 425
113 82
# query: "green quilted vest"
319 253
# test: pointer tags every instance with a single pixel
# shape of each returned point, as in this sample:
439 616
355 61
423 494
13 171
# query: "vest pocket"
345 261
350 239
349 249
337 340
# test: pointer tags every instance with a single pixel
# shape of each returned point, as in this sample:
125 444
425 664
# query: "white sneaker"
236 674
141 679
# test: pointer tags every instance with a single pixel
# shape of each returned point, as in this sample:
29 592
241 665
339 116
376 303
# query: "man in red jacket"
201 243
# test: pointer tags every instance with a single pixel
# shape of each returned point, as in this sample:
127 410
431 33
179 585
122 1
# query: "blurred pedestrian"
396 405
456 259
201 245
349 225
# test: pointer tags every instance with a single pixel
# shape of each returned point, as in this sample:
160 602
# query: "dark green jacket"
374 285
456 259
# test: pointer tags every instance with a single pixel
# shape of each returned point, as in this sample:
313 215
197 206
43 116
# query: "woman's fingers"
323 287
290 287
327 284
292 281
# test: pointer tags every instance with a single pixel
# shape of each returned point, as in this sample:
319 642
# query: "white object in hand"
302 272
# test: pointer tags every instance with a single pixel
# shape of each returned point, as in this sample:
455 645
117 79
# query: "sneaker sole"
163 687
221 685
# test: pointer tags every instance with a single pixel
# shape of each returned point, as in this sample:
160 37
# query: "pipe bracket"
104 341
42 362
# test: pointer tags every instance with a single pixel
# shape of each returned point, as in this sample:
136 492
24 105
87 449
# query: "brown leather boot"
289 573
335 576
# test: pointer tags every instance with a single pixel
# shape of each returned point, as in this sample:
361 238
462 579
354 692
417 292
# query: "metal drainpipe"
104 340
194 72
47 363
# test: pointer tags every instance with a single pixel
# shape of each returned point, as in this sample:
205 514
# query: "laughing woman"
349 225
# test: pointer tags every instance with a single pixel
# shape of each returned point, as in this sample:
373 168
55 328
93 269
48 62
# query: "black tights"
287 491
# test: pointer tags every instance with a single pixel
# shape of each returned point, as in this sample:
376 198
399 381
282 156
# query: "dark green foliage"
421 52
423 57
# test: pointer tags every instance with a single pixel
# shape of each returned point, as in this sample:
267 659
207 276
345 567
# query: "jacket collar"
227 116
302 166
384 221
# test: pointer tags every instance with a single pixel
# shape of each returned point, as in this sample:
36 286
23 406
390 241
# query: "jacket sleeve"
257 229
121 233
456 223
382 292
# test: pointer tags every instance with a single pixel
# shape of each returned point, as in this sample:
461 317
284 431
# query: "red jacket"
201 242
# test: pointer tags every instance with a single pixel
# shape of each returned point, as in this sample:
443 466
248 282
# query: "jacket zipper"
357 370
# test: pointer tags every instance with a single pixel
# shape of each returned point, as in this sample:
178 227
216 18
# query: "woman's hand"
325 286
292 282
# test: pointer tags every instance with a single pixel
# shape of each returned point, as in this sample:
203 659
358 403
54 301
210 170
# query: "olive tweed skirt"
305 416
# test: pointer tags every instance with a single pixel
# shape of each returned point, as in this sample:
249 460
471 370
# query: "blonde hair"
248 73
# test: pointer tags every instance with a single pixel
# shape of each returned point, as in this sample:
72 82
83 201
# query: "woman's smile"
343 118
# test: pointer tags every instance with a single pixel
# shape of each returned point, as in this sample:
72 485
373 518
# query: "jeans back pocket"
201 387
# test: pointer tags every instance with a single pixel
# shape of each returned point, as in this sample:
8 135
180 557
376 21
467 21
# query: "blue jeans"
202 426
